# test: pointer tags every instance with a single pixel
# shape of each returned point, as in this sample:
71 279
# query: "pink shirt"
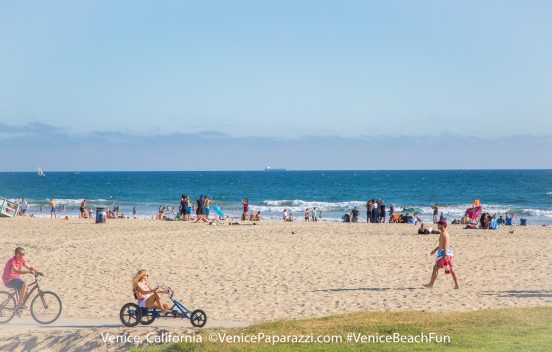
144 286
8 274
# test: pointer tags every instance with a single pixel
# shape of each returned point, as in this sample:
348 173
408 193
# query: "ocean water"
528 193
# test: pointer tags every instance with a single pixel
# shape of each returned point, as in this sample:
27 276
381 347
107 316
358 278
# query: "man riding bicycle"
13 271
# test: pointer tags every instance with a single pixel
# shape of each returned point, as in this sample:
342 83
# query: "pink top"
144 286
8 274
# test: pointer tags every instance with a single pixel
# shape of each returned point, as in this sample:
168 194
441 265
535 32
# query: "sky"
248 76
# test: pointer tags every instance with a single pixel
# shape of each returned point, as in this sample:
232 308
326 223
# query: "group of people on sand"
376 211
311 215
488 222
187 207
86 213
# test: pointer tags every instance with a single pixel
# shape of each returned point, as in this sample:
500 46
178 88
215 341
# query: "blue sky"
277 70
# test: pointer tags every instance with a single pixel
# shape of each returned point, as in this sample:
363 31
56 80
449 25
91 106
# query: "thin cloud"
55 148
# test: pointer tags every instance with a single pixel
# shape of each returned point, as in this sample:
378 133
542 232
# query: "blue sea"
528 193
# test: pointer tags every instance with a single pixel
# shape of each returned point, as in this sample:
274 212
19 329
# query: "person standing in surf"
435 208
52 208
245 204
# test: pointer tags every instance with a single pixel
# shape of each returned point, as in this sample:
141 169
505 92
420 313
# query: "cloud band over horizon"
24 148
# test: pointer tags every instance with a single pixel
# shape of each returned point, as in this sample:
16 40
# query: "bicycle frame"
176 304
30 289
185 311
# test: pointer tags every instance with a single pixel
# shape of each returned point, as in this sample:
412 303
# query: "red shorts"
440 262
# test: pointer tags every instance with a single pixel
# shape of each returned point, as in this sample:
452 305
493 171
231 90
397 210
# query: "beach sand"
246 274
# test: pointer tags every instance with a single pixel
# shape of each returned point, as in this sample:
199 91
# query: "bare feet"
456 287
428 285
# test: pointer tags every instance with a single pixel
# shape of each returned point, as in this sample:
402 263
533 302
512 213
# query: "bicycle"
45 306
131 314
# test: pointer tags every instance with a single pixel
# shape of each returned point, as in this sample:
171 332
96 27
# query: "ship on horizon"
268 168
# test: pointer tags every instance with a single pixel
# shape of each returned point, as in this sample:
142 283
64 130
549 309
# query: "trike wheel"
147 319
7 307
130 315
46 307
198 318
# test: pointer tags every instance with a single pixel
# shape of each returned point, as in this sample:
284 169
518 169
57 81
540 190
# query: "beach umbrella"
411 211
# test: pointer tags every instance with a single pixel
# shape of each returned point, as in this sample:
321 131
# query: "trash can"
100 215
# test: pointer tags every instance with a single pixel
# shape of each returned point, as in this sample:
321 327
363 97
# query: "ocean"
528 193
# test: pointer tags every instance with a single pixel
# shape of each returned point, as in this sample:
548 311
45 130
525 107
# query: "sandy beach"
273 270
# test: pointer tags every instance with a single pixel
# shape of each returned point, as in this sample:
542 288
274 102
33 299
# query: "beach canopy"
218 210
411 211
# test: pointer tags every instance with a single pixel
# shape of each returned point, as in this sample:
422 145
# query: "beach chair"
522 222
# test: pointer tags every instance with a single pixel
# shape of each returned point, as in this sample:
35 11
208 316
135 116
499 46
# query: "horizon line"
284 170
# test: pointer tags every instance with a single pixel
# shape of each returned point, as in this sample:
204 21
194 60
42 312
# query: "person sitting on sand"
444 254
427 230
12 274
147 296
485 221
423 231
252 216
258 216
509 219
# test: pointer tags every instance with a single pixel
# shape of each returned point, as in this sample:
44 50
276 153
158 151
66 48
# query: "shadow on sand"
373 289
519 294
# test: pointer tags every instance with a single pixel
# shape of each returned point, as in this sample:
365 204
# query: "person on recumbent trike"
147 296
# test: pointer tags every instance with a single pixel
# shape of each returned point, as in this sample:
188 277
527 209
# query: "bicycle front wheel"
46 307
7 307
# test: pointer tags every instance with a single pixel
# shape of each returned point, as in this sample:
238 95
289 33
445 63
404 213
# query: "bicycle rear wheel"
130 315
7 307
46 307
